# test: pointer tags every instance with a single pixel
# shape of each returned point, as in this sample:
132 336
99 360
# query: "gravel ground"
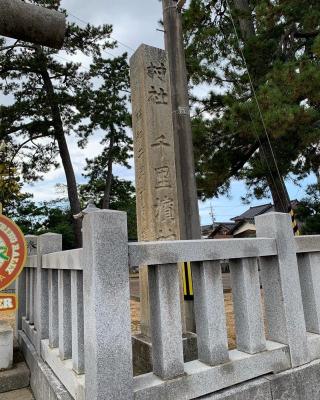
135 319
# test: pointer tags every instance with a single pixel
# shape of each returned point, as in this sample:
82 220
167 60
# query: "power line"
87 22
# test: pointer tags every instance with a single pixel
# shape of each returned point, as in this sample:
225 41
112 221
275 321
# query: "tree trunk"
64 152
107 189
317 173
245 19
276 183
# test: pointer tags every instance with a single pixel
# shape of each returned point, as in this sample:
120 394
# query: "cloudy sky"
134 22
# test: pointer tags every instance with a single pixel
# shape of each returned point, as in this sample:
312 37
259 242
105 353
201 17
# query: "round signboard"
13 251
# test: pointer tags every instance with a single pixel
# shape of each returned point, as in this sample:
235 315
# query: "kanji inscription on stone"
157 199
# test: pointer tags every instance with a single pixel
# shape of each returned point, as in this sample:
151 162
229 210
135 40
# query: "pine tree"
280 42
107 111
45 97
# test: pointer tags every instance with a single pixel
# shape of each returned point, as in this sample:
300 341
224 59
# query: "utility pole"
184 158
31 23
187 192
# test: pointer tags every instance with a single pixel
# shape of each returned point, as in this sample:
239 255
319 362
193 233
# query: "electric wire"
111 37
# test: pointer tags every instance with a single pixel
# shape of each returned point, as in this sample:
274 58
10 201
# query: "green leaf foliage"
280 44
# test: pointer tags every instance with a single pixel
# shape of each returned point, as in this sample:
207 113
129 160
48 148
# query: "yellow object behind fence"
295 227
187 281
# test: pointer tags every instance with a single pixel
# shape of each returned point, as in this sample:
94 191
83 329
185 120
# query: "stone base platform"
142 352
301 383
44 384
14 378
22 394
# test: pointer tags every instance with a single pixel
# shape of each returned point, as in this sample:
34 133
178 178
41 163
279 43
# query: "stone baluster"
47 243
309 271
77 321
27 273
247 305
31 295
210 313
64 307
53 308
165 321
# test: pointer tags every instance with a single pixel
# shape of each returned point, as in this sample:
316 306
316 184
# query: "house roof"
218 225
253 212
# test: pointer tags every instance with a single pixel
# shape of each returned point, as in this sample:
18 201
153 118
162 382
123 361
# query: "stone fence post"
107 321
282 290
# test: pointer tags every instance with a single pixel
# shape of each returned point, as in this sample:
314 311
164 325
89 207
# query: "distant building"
222 230
243 225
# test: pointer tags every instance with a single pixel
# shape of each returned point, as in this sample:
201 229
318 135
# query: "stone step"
15 378
21 394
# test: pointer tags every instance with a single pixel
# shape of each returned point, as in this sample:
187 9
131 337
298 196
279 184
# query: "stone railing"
75 309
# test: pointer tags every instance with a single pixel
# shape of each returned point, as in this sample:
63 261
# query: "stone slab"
22 394
73 382
16 378
301 383
258 389
201 379
152 253
44 384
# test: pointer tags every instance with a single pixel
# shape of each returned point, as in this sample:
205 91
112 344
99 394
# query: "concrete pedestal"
6 346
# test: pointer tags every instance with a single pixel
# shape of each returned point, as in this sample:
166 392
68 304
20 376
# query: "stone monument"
156 187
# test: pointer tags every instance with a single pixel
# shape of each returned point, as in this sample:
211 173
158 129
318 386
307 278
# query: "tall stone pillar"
156 186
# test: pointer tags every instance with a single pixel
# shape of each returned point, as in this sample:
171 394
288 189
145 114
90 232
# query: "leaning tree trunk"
64 153
276 183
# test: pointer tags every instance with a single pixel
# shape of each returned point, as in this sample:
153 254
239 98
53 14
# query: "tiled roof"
253 212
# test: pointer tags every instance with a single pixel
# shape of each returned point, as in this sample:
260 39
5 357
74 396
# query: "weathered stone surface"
157 204
247 305
201 379
47 243
15 378
298 384
77 321
21 394
209 312
156 186
65 321
199 250
258 389
309 273
166 333
281 283
43 382
6 345
53 308
142 352
108 351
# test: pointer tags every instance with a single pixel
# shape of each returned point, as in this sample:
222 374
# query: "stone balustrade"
75 309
